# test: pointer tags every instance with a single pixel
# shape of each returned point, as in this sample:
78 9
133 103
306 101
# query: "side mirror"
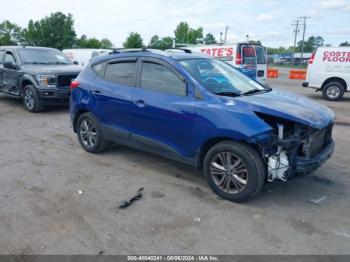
10 65
76 62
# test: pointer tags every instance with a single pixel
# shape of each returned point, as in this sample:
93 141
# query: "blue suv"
202 112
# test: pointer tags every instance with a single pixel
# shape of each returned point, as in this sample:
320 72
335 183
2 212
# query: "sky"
269 21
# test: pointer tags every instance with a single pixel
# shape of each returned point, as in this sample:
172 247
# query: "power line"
296 31
304 29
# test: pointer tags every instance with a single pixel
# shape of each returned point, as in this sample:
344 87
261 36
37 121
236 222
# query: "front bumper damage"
295 149
304 165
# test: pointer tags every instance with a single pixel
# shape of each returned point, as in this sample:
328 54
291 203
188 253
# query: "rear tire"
333 91
31 100
90 134
240 177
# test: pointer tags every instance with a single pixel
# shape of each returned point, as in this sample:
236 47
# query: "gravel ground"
57 199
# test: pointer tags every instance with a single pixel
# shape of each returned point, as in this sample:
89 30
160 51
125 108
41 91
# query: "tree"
85 42
181 33
345 44
279 50
56 30
164 43
209 39
310 44
10 34
195 35
154 42
106 44
134 40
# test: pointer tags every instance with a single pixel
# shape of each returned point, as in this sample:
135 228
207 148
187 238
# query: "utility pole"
296 31
226 28
302 43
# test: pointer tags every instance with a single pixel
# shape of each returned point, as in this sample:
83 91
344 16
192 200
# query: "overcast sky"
266 20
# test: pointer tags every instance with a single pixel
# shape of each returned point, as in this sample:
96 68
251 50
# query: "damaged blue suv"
202 112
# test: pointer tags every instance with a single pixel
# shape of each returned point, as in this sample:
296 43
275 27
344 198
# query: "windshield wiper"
255 91
228 94
37 63
59 63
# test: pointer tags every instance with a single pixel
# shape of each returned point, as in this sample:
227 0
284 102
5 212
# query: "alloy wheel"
88 133
229 172
29 99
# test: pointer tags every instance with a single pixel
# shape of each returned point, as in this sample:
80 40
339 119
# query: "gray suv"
39 76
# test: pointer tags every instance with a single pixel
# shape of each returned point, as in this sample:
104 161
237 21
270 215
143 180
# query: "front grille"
318 141
63 81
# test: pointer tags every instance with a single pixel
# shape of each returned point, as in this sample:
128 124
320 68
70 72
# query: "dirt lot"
42 168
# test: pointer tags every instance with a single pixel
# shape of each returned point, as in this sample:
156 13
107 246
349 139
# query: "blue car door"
112 95
164 110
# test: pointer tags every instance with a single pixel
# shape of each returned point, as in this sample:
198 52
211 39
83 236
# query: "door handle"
96 92
140 103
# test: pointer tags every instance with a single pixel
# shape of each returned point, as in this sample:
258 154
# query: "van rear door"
261 64
253 57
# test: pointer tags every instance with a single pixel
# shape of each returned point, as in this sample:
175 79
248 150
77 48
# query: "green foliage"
186 35
310 44
279 50
106 44
56 30
209 39
195 35
344 44
181 32
164 43
134 40
85 42
10 34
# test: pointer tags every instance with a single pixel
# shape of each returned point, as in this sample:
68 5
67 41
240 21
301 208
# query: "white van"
240 55
82 56
329 71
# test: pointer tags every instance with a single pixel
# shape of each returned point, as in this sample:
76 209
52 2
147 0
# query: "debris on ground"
80 192
343 234
317 201
128 202
197 219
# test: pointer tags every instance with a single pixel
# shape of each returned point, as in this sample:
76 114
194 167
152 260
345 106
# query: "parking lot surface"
57 199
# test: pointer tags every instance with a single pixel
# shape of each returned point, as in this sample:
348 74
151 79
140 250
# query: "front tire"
333 91
234 171
31 100
90 134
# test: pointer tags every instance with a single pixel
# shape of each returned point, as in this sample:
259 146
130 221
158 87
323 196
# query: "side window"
159 78
260 55
99 69
123 73
1 55
9 58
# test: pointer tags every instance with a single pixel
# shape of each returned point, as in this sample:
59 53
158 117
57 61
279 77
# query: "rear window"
123 73
260 55
248 53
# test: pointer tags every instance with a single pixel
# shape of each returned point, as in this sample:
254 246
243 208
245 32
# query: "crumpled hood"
51 69
290 106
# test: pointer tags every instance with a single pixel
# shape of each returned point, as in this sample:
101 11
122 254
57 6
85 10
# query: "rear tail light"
74 84
312 57
238 58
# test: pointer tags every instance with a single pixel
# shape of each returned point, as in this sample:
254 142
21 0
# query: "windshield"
42 56
220 78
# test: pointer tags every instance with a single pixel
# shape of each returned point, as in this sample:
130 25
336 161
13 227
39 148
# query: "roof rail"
179 50
131 50
127 50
